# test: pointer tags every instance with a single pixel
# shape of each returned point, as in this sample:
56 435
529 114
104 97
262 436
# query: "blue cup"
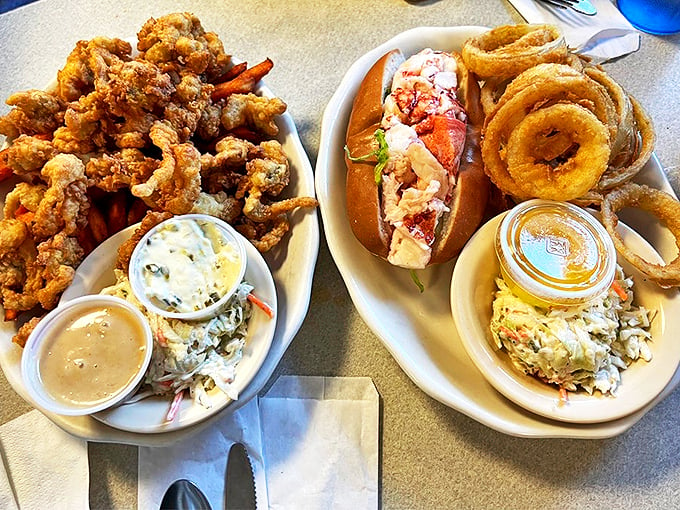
661 17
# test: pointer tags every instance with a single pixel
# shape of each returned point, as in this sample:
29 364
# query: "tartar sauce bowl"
554 253
188 267
87 355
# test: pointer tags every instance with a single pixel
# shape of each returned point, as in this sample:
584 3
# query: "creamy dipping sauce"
92 357
188 265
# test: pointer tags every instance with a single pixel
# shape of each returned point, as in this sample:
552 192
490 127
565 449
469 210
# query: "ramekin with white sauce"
187 267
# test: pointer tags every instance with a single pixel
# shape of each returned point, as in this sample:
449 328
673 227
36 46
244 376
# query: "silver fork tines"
582 6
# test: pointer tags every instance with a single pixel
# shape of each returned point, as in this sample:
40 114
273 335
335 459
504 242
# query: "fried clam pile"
556 126
173 128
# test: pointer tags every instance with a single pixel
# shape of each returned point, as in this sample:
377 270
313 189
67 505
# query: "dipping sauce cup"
87 355
188 267
554 253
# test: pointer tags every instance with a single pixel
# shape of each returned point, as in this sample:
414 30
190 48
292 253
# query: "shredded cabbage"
584 346
197 355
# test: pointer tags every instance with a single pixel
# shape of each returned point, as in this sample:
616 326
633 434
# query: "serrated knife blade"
240 486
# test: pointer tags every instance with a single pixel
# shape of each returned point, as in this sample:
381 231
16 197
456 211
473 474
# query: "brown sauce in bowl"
93 356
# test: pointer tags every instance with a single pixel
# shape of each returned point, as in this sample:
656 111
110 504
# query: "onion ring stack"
556 127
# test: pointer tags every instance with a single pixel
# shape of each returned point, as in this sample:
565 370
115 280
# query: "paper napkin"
604 36
202 458
8 499
321 440
44 466
313 442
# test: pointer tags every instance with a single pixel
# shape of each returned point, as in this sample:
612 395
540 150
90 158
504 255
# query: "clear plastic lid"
555 253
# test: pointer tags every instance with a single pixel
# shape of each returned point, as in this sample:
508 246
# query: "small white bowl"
472 290
230 237
41 340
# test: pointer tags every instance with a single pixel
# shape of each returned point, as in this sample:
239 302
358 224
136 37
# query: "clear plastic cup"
660 17
554 253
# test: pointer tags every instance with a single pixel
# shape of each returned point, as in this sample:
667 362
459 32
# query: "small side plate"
148 415
472 290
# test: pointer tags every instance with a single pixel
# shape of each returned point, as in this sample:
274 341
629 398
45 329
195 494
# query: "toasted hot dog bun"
364 208
471 194
363 194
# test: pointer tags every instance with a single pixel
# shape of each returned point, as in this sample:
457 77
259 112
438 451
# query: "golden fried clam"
122 136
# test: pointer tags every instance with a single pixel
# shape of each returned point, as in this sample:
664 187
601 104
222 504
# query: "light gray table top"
432 456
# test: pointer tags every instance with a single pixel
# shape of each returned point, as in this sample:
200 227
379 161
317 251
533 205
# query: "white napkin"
320 438
313 442
44 466
8 500
202 458
604 36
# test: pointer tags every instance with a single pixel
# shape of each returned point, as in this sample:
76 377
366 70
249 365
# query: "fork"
582 6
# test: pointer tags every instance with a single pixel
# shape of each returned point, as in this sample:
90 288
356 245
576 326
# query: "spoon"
184 495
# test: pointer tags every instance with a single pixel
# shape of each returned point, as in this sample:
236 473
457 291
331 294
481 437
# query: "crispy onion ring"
494 87
491 92
645 138
546 83
508 50
624 110
659 203
551 84
558 152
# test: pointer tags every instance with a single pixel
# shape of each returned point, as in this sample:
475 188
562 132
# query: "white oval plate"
418 329
148 415
291 264
472 290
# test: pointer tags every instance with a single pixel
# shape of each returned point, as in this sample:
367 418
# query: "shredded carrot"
261 304
162 341
564 397
620 291
174 407
509 333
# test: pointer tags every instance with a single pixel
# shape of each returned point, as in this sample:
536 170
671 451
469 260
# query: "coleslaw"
584 346
194 356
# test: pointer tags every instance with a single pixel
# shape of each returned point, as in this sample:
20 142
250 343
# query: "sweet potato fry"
117 219
5 171
247 134
23 214
232 73
86 240
10 314
97 224
137 211
244 82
